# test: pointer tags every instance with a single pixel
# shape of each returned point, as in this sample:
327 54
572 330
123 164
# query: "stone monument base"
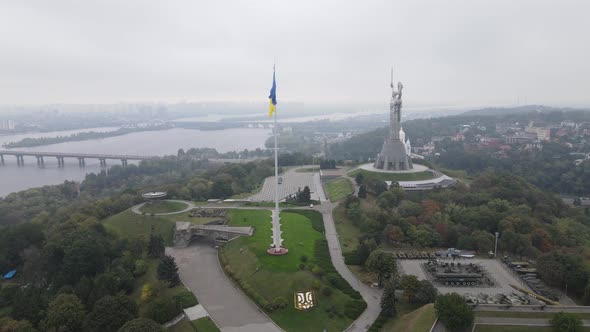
393 156
273 252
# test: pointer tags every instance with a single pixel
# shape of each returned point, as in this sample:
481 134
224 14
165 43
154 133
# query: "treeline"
531 223
421 131
187 176
73 275
551 168
84 136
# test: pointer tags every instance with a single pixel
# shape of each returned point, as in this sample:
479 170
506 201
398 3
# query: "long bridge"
61 155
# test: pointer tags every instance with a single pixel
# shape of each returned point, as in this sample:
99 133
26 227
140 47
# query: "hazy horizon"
461 54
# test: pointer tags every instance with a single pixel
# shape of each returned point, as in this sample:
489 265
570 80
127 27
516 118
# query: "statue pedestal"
393 156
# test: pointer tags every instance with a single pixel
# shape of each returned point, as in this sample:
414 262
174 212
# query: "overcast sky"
445 52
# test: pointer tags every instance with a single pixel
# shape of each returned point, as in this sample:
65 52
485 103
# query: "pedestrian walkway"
232 311
292 182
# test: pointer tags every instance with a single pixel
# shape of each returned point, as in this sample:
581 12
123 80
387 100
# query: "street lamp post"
496 245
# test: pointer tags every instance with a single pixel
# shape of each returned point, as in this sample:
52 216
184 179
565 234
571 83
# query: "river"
149 143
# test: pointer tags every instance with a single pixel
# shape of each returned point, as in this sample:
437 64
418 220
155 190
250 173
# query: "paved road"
371 295
229 307
518 321
189 206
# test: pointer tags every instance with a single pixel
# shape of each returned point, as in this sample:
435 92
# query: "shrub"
141 325
303 258
316 284
454 311
140 268
326 291
279 302
147 292
353 308
163 309
317 270
301 266
186 299
566 322
378 324
352 258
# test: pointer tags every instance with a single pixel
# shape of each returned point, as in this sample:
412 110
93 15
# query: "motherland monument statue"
395 154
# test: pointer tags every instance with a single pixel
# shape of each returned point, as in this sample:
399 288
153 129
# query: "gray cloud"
446 52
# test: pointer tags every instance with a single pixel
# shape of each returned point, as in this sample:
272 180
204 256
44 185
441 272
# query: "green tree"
8 324
156 246
389 300
359 178
426 293
362 191
566 322
168 271
410 284
559 269
65 313
453 311
110 313
85 257
304 196
382 264
163 309
29 304
141 325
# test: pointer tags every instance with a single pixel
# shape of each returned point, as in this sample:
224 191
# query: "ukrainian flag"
272 98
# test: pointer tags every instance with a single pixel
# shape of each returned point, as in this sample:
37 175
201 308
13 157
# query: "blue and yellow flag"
272 99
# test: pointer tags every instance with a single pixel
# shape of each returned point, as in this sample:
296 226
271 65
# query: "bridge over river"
61 155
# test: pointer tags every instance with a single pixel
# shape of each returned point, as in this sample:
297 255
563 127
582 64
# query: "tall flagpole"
277 249
277 245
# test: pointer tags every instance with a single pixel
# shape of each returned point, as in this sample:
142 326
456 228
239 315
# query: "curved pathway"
371 295
231 309
189 206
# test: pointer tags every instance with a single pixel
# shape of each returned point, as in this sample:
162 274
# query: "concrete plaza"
293 181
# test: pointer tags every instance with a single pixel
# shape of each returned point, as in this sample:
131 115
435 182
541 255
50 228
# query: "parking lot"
501 276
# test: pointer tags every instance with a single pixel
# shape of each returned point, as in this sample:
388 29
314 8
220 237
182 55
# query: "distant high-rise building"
7 125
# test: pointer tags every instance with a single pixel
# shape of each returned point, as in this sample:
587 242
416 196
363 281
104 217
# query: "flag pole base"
277 251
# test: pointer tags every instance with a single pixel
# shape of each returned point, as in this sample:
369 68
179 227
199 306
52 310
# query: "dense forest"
72 272
532 224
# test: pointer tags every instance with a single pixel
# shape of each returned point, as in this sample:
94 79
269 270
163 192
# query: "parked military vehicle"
457 274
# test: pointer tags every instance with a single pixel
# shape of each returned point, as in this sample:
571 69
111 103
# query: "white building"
7 125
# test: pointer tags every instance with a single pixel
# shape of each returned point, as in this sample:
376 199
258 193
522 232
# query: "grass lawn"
419 320
348 234
535 314
280 276
425 175
163 207
339 189
130 225
205 324
182 326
